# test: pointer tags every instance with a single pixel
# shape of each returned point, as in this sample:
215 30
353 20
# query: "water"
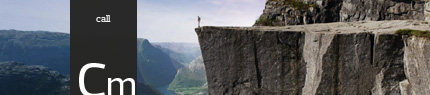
165 91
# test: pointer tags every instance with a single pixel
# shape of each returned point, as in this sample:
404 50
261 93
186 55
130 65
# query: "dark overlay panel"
104 32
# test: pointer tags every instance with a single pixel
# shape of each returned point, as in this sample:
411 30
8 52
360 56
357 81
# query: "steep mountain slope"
197 66
184 53
19 79
48 49
297 12
191 80
154 67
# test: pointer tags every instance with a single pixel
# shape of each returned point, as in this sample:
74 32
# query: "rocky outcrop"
19 79
427 10
417 63
297 12
355 58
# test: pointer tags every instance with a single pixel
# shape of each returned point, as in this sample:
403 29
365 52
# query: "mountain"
191 80
49 49
154 67
197 66
19 79
184 53
299 12
193 48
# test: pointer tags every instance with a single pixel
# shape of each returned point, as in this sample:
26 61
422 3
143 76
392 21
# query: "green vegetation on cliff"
264 21
410 32
297 4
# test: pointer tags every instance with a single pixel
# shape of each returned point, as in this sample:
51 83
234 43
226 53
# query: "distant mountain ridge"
178 47
184 53
49 49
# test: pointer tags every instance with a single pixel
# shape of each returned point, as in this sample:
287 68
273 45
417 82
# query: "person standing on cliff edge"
198 19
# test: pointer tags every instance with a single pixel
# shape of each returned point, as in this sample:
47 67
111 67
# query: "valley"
171 68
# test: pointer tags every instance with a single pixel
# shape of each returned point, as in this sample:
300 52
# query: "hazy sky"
175 20
47 15
157 20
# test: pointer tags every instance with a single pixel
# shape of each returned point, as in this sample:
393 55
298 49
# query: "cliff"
354 58
298 12
417 67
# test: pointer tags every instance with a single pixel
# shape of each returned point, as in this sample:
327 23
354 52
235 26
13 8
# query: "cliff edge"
352 58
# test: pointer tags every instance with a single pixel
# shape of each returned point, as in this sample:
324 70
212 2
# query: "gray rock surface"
427 10
289 12
356 58
405 88
417 64
388 55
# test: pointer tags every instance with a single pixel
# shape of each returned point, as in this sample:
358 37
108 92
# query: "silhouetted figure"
198 19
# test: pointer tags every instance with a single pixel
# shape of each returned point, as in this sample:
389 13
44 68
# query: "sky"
46 15
175 20
157 20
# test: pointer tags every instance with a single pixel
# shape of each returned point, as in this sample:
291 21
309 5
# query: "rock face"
417 64
297 12
355 58
427 10
19 79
